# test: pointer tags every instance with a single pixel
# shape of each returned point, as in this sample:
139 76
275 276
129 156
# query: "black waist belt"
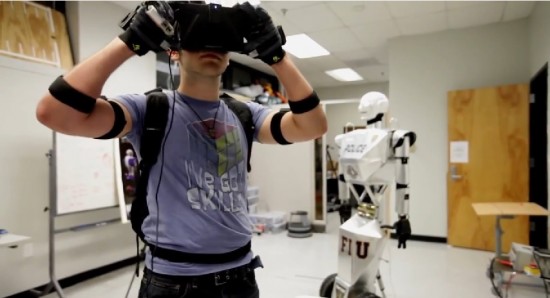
186 257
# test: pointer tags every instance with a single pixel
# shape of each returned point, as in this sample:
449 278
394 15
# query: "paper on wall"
459 152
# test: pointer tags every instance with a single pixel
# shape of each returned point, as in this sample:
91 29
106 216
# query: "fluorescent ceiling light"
344 74
302 46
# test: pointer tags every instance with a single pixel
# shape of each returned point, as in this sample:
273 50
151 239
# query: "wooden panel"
61 36
15 31
41 28
494 122
34 32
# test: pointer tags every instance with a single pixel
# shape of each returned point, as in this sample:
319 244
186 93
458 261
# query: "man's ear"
174 55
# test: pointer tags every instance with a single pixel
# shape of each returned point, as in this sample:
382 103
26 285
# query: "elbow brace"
65 93
276 128
119 123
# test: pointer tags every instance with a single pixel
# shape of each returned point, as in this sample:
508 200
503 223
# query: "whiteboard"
85 173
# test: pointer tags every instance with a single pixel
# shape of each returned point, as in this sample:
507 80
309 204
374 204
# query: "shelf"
12 240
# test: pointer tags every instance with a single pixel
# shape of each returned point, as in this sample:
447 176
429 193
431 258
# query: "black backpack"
155 122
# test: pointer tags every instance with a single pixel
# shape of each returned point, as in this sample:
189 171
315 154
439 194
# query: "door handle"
454 173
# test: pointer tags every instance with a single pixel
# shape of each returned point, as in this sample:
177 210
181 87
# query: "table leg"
498 234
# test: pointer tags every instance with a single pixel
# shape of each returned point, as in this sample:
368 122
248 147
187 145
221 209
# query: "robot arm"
402 140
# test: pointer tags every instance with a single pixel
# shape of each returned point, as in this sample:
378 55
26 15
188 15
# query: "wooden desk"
504 210
507 210
12 240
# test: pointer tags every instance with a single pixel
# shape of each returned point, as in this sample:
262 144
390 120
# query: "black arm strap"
305 105
119 122
276 128
65 93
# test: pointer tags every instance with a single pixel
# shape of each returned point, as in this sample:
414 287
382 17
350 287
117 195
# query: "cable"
492 276
508 284
160 174
139 256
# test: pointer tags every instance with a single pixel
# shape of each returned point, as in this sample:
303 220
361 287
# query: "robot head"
373 106
129 152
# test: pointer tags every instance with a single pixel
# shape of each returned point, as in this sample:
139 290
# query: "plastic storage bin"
269 219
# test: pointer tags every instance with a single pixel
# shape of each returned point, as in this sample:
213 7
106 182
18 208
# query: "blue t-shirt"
202 205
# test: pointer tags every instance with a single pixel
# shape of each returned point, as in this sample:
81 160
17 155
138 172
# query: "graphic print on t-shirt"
215 166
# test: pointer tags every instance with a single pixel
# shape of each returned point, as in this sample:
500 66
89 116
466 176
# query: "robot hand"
403 231
150 27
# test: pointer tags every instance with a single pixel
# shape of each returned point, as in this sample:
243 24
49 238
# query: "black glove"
264 40
403 231
142 34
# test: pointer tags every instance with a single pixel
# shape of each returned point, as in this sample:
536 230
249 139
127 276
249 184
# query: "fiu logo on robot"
361 247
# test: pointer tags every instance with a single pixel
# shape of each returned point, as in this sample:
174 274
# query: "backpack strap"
242 111
154 126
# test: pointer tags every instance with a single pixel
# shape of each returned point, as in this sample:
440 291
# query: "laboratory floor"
296 267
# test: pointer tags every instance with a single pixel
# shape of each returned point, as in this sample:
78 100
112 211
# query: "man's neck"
200 87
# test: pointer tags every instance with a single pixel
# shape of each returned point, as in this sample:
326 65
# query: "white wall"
539 44
24 184
351 91
285 176
422 70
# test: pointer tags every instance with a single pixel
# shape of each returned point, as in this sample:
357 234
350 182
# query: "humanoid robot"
377 159
130 162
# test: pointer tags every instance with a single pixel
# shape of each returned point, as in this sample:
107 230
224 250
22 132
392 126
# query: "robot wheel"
327 286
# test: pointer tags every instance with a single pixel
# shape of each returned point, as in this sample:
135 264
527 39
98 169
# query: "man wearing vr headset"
197 200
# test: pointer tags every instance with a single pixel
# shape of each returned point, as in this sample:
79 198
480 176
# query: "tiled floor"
295 267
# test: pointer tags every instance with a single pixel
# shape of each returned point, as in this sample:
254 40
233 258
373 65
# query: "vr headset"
210 27
204 26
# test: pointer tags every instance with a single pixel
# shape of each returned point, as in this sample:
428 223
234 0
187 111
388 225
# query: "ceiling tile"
289 5
279 19
353 55
518 9
408 8
321 79
422 24
379 73
360 12
477 15
460 3
341 39
314 18
376 34
305 66
380 53
327 63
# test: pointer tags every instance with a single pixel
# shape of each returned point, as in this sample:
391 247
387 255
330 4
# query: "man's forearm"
312 124
90 75
296 86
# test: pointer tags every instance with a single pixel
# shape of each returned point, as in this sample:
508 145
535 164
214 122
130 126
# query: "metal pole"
53 212
498 231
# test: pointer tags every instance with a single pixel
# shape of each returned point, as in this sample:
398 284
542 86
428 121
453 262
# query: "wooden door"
488 132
